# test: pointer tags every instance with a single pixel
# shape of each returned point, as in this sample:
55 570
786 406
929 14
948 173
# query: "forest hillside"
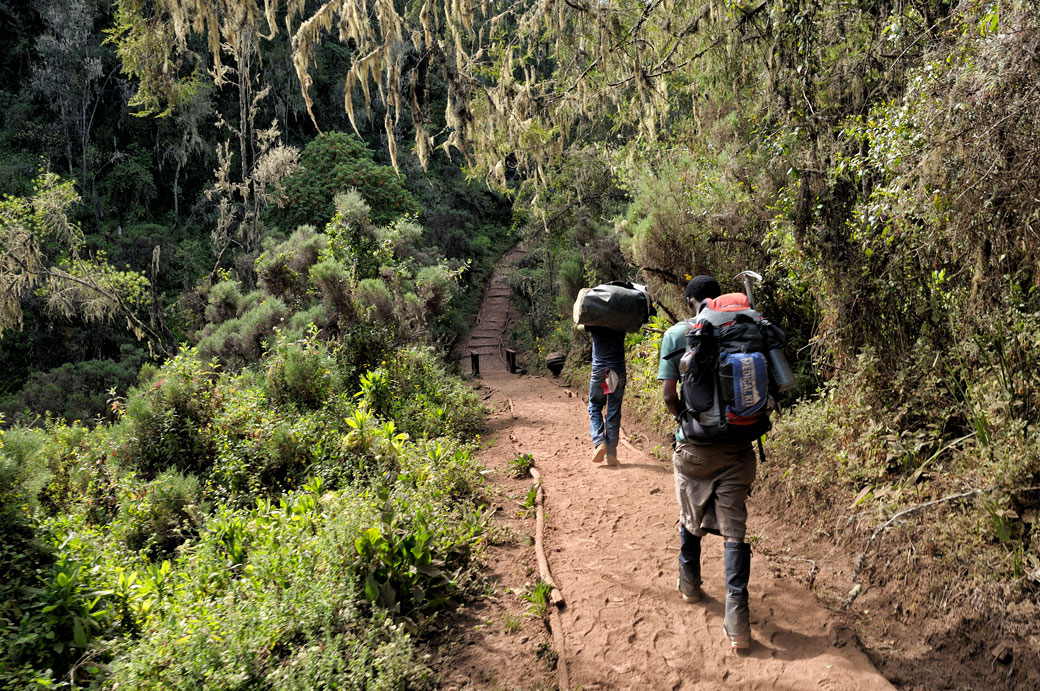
239 240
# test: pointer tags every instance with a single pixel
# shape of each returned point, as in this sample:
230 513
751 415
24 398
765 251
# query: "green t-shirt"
674 339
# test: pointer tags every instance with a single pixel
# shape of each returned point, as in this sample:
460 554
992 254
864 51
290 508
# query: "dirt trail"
612 543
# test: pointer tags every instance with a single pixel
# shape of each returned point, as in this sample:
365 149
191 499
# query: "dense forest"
240 240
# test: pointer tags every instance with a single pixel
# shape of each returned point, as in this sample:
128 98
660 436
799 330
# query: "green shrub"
273 585
443 471
26 471
520 465
21 560
352 236
283 269
240 341
334 287
401 571
51 607
372 295
572 280
436 286
179 550
691 218
165 423
331 163
224 302
160 515
375 395
301 373
74 391
301 322
429 403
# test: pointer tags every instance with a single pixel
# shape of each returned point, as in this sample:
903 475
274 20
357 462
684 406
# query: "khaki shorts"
712 485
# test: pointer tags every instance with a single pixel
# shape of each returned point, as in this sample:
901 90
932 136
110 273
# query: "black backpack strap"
675 353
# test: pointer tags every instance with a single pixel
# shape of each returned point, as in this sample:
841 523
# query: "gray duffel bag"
615 305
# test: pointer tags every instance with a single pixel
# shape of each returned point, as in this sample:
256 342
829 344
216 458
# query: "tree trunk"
176 193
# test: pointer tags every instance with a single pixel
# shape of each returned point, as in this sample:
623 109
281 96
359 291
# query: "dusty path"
612 543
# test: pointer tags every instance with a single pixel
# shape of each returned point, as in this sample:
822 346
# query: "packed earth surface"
611 542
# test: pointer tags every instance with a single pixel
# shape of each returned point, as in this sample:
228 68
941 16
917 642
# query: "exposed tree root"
556 599
857 586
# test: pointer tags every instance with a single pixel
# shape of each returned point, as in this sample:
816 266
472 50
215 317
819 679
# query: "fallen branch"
630 447
555 596
539 548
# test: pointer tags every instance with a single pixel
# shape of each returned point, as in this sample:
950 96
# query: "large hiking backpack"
725 384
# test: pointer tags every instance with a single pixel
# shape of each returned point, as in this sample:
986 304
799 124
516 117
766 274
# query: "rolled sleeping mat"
616 305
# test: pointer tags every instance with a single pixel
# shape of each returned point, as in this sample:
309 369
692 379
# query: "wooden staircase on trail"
486 339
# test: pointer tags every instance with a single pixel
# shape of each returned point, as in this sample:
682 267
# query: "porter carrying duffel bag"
616 305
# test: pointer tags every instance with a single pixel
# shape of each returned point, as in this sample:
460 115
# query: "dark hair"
702 287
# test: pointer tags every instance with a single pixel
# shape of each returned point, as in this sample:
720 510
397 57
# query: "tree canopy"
522 79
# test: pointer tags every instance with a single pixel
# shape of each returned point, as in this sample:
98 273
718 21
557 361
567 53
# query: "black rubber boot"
689 566
737 624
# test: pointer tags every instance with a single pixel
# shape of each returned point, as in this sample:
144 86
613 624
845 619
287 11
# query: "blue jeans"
605 430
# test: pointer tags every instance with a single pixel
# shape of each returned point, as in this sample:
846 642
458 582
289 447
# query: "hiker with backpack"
714 373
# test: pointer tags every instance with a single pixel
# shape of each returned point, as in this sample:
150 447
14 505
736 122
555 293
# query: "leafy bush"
272 585
224 302
334 287
520 465
159 516
74 391
302 372
435 285
373 294
332 163
402 573
23 561
49 606
164 426
217 509
241 340
352 235
372 288
429 403
284 268
56 624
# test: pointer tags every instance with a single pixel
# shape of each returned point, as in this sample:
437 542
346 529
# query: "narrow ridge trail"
612 543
